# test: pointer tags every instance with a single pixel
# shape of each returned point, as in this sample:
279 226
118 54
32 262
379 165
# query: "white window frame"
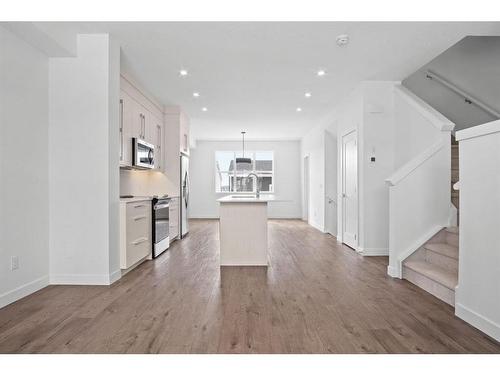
250 154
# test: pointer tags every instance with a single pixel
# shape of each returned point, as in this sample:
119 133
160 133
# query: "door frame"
328 228
340 188
306 183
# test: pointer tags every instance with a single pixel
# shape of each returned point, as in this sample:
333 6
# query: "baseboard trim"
317 226
23 291
393 272
374 252
115 276
81 279
475 319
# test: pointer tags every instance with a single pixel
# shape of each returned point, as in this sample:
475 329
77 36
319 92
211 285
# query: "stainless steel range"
160 216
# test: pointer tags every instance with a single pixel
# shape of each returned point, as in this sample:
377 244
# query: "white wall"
145 183
368 109
313 146
287 177
376 140
24 210
478 295
419 192
83 163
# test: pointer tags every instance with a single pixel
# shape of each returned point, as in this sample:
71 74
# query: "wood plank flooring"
317 297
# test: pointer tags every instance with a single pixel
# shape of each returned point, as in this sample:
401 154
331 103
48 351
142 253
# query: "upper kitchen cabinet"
184 133
140 117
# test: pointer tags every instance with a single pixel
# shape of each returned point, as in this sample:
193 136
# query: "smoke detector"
342 40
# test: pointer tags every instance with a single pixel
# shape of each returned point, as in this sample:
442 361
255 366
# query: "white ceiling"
252 76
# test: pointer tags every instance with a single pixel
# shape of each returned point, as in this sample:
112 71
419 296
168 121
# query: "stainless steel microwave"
143 154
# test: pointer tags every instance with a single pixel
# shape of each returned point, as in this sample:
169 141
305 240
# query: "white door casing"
350 190
330 184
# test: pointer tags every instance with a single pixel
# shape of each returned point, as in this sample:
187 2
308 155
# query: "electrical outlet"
14 263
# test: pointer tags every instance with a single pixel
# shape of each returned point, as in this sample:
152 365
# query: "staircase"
434 266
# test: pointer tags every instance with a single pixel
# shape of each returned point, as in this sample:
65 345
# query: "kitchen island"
243 230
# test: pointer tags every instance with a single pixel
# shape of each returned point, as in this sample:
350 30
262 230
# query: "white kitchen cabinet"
140 117
126 120
135 232
174 219
159 146
184 133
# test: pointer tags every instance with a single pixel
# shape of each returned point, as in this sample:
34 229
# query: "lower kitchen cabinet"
174 219
135 232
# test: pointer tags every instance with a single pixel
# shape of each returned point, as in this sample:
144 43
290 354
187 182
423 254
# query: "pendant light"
243 160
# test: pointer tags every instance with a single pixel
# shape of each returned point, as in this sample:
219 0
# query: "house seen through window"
232 178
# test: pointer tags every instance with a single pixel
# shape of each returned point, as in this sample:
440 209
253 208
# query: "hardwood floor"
317 297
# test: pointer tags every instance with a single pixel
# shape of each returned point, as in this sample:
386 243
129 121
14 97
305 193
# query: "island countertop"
264 198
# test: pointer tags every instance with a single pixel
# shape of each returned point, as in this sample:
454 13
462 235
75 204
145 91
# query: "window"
229 179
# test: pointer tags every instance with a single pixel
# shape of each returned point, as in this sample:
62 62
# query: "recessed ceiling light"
196 94
342 40
183 72
321 73
307 94
204 109
299 109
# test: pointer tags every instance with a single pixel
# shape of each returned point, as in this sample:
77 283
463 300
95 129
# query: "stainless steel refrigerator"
184 194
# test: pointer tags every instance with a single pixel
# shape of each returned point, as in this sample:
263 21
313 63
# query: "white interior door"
350 190
330 183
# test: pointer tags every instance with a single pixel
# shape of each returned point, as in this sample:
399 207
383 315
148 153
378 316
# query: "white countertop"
135 199
262 199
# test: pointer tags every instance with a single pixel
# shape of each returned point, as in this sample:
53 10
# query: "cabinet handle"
139 241
121 129
139 217
143 126
158 127
139 205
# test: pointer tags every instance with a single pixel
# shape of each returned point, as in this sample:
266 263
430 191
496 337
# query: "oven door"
143 153
161 235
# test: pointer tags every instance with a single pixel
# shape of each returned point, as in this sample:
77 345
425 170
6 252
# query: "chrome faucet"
257 190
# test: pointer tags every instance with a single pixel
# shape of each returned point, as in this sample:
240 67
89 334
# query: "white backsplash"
145 183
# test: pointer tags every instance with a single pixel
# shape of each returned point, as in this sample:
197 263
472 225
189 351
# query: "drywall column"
477 298
83 163
24 185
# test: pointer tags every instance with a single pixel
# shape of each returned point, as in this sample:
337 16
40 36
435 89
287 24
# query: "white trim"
414 247
391 271
433 116
414 163
22 291
478 131
82 279
477 320
373 251
316 226
115 276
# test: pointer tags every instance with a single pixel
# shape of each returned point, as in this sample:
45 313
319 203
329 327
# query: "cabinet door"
125 129
149 132
184 134
137 123
159 149
174 219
